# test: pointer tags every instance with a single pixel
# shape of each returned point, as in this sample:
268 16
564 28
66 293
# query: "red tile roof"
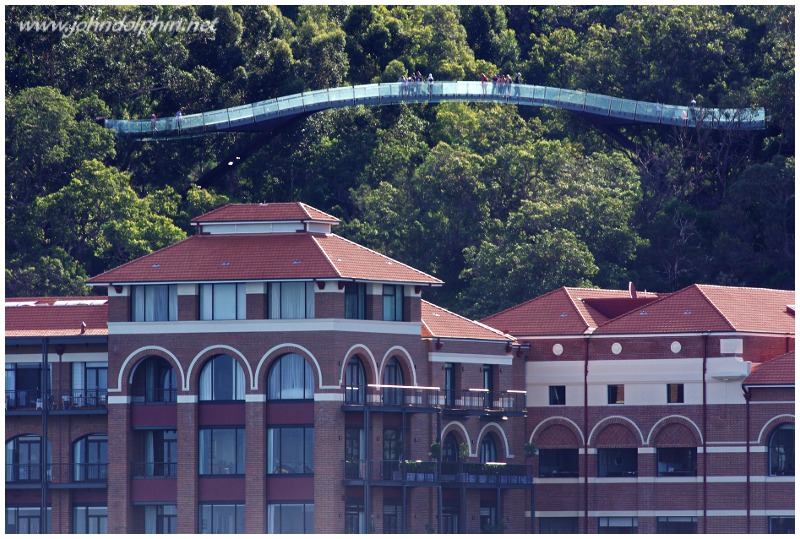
44 319
439 322
699 308
242 257
273 211
779 371
565 311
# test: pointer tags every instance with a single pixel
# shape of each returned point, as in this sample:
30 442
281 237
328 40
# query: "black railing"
420 397
154 469
420 471
484 399
77 399
154 395
74 399
27 473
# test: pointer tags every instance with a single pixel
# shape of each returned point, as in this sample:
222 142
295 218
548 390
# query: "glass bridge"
608 110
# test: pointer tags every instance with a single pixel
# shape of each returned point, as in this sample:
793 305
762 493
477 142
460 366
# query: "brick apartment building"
670 414
264 375
268 376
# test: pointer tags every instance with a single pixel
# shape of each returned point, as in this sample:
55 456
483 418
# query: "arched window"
450 448
222 379
355 382
393 376
24 459
290 377
781 450
154 381
488 449
90 458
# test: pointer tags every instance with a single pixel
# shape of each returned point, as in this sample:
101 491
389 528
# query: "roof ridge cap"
518 305
325 254
331 234
713 305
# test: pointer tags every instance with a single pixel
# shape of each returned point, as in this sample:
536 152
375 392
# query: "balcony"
468 402
431 473
154 395
91 475
76 401
154 470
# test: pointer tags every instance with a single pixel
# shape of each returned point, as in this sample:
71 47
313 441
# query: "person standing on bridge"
178 116
517 81
153 123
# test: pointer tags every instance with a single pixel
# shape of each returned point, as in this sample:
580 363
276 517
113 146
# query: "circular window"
558 349
616 348
675 347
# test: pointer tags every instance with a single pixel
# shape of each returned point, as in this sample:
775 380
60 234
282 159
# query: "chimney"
631 289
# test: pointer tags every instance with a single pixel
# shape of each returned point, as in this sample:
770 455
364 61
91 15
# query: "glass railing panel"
649 111
236 114
291 103
551 94
216 117
341 95
598 103
572 99
193 122
674 115
316 98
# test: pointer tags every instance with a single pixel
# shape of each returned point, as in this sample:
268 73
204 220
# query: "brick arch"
499 434
266 361
557 433
616 432
199 361
461 434
675 431
770 426
133 359
367 360
406 364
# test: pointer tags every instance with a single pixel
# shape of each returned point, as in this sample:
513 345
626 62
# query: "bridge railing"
243 117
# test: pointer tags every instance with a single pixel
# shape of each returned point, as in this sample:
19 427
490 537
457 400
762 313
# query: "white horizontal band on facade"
772 512
52 358
561 514
473 359
328 397
254 397
295 325
187 399
557 480
118 399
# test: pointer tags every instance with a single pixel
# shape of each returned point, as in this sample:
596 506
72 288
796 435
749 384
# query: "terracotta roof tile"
710 308
439 322
563 312
779 371
47 320
241 257
273 211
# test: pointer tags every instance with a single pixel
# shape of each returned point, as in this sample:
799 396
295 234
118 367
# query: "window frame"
776 450
142 294
209 467
355 391
276 438
216 294
663 524
556 394
628 455
277 507
275 379
237 377
238 514
355 301
277 291
87 458
79 527
551 461
393 375
393 303
165 523
618 525
664 453
616 394
677 396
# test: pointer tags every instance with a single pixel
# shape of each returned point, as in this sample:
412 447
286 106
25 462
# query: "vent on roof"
226 263
563 315
642 313
295 262
155 266
687 312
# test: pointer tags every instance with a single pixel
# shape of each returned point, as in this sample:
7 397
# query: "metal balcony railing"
484 399
157 470
420 471
75 399
57 474
512 401
154 395
28 473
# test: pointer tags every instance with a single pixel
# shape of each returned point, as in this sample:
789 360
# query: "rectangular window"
90 520
154 302
354 456
617 462
223 301
291 300
781 525
160 519
616 394
290 450
450 387
670 525
355 520
392 516
676 461
558 395
393 302
355 301
618 525
89 384
290 518
558 462
674 393
27 520
155 453
221 518
23 381
222 451
559 525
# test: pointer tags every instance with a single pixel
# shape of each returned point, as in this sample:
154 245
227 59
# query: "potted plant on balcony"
435 450
530 450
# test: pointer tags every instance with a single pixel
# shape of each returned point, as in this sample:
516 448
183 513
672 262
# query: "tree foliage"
500 203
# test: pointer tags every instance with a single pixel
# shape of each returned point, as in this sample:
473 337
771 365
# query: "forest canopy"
502 203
